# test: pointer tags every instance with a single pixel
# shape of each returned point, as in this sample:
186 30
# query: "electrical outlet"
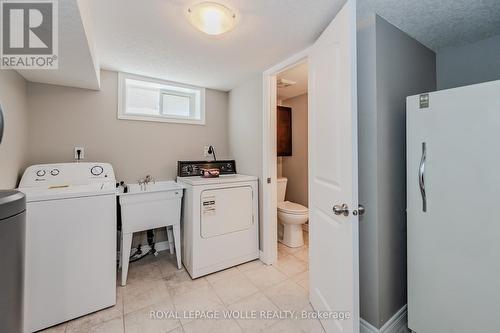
205 151
82 153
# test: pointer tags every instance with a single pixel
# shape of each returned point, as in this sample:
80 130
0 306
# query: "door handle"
361 210
341 210
421 177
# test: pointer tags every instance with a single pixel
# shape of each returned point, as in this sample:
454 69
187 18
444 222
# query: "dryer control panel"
193 168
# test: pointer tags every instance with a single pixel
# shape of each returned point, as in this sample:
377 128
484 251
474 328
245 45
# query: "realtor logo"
29 34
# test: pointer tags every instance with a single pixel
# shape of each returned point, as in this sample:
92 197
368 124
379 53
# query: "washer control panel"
96 170
67 174
193 168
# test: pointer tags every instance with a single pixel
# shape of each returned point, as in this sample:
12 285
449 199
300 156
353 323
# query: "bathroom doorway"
332 168
275 96
292 162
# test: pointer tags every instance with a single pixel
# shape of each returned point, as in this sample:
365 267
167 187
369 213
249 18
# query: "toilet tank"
282 189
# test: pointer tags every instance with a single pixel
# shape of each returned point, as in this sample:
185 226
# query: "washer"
220 218
70 241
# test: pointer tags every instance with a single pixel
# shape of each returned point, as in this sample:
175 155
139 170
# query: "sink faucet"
145 181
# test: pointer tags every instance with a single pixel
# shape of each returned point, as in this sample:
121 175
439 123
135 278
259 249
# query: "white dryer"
70 241
220 226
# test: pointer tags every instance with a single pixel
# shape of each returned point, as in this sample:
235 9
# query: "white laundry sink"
150 206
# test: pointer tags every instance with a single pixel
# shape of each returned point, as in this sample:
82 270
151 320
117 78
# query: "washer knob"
54 172
40 173
96 170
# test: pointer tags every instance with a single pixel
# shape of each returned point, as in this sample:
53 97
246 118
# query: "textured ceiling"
439 23
298 74
153 38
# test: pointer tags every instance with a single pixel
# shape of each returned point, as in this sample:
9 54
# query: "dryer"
220 226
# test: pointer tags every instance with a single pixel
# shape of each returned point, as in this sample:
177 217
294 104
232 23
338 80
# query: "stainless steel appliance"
12 238
1 123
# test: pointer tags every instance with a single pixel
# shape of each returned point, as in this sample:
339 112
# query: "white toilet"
292 216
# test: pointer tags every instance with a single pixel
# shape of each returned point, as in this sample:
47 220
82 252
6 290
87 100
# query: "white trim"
269 253
165 119
394 325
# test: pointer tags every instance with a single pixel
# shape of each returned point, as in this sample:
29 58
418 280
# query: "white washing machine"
70 241
220 226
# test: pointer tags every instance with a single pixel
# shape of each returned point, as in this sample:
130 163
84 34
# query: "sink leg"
126 246
177 241
170 239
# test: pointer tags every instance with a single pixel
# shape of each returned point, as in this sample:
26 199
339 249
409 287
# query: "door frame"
269 252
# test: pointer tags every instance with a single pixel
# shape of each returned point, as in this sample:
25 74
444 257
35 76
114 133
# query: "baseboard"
396 324
160 246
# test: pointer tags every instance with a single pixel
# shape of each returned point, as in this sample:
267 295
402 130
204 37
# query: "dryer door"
226 210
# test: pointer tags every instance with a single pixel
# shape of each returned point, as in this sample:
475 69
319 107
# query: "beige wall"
295 167
62 118
13 148
245 130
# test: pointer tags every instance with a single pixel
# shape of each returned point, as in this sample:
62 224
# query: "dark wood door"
284 131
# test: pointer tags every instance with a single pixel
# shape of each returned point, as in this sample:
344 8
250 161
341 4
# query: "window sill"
162 119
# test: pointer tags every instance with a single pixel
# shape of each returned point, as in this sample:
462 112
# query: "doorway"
332 169
292 163
270 159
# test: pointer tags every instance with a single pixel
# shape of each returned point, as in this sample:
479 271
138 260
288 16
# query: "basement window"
147 99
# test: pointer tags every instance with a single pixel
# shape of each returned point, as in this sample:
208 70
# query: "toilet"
291 216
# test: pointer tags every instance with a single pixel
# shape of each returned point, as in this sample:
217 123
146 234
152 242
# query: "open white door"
333 172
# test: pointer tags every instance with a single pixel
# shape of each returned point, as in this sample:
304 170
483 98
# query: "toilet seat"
292 208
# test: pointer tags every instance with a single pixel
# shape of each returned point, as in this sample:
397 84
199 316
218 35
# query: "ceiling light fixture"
284 83
212 18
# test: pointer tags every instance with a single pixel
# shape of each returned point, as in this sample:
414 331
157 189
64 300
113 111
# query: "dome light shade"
211 18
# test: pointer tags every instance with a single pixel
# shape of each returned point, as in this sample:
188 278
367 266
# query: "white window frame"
122 96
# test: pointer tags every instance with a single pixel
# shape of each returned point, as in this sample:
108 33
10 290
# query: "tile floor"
156 284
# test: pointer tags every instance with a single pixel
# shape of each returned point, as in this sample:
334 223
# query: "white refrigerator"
453 196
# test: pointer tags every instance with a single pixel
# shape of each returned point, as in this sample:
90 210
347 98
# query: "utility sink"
150 206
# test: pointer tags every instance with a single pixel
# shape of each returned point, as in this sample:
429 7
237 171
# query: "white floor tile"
291 266
156 284
140 272
232 286
141 321
288 296
212 326
257 302
302 280
110 326
222 275
201 299
167 264
283 326
265 277
141 295
179 282
251 265
302 254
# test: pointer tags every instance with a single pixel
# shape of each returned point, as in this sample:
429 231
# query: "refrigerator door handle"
421 177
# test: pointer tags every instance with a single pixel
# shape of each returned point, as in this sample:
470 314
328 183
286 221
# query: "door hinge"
424 101
269 180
